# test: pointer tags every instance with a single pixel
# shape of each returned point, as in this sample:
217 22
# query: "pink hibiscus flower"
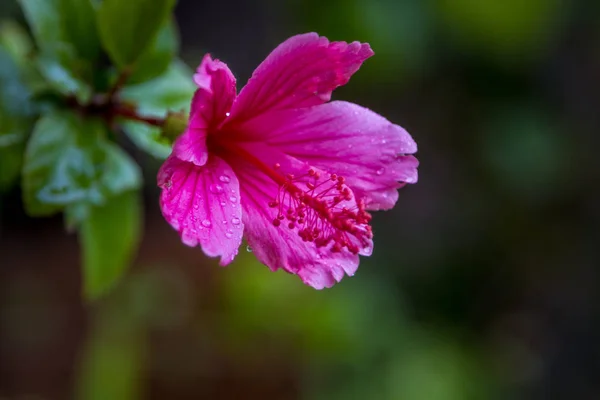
281 166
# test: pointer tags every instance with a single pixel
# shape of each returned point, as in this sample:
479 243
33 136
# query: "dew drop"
224 178
224 222
206 223
216 189
228 234
223 203
235 221
380 171
249 249
233 199
227 114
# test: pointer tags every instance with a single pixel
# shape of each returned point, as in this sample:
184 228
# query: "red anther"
322 211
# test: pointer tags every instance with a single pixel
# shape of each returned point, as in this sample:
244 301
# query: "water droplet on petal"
224 222
224 178
228 234
380 171
216 189
235 221
223 203
233 199
249 249
206 223
227 114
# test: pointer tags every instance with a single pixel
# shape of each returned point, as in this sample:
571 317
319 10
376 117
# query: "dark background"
484 280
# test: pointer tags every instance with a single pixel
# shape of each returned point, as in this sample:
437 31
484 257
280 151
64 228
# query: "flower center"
321 209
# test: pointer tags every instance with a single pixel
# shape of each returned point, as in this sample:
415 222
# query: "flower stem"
130 113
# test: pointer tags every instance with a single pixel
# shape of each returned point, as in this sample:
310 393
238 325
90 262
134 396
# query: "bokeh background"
484 281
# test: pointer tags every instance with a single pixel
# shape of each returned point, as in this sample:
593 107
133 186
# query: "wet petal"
300 72
279 246
343 138
202 204
210 105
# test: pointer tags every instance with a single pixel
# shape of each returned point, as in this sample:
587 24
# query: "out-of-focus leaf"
18 45
44 17
66 35
148 138
71 22
66 73
79 22
16 117
127 28
172 91
15 97
68 161
109 236
157 58
15 40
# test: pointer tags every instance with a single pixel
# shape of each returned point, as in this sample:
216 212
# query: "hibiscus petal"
281 247
346 139
300 72
210 105
202 204
216 79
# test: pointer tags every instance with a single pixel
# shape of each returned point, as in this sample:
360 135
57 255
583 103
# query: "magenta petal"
202 204
210 106
281 247
346 139
216 85
300 72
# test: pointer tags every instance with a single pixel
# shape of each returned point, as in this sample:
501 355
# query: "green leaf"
127 28
66 34
16 117
173 91
71 22
109 237
148 138
157 58
79 21
15 40
15 97
65 72
43 17
68 161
